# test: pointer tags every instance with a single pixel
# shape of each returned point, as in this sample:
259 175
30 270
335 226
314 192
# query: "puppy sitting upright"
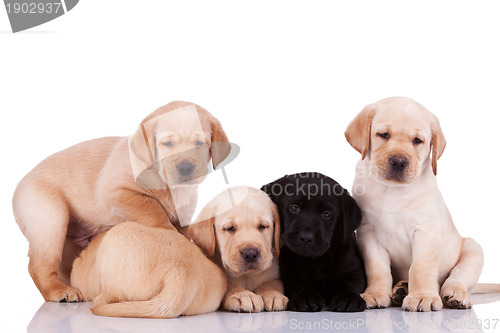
239 229
407 232
320 264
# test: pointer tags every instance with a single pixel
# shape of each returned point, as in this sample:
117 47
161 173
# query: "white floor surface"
61 317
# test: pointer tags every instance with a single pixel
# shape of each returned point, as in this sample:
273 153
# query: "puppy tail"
486 288
168 303
171 302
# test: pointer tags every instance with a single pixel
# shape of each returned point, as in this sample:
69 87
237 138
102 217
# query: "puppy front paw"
307 302
456 296
376 299
422 302
347 303
243 301
274 301
64 294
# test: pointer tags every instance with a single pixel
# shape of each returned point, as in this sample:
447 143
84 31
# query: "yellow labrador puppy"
239 228
138 271
407 232
150 178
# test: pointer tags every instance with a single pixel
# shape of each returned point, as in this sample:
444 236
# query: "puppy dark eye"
326 215
294 209
168 143
230 228
383 135
263 226
417 141
198 143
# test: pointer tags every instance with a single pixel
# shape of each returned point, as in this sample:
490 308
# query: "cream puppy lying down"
407 232
239 228
137 271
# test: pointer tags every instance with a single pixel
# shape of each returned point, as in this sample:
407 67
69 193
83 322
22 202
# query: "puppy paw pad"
399 292
456 298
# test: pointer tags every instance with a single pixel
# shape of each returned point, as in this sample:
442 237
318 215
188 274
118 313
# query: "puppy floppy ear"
359 130
220 147
142 153
438 142
202 233
350 218
276 230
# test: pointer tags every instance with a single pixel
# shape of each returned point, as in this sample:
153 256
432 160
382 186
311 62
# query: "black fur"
320 263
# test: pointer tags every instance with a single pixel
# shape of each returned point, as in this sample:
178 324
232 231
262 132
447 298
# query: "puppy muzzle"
250 255
397 169
185 168
306 244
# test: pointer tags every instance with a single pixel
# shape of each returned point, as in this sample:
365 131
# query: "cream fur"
86 189
250 289
138 271
407 232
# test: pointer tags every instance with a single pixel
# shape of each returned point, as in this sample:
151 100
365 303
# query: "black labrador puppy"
320 263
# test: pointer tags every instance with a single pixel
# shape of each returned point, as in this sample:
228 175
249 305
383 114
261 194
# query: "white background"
283 77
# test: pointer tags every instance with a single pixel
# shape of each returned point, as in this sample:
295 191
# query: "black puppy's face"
308 224
314 212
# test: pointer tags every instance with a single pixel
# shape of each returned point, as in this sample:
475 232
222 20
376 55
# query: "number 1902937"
34 8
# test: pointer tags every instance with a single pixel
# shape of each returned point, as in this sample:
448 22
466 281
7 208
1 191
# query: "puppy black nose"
306 238
185 168
250 254
398 163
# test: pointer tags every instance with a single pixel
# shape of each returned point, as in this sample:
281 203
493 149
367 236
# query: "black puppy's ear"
275 190
351 216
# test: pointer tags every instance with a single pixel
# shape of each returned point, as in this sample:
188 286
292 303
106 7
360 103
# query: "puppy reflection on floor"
320 263
239 228
76 318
